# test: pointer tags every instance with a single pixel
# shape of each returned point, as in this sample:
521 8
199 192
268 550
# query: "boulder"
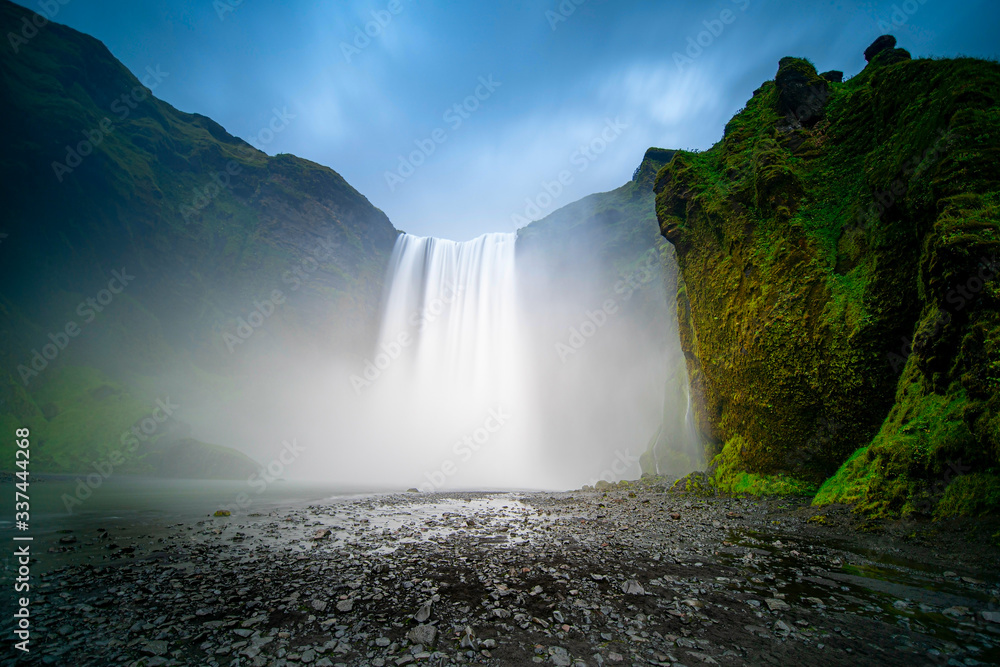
881 44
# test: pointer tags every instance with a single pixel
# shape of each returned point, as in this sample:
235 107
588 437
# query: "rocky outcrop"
829 245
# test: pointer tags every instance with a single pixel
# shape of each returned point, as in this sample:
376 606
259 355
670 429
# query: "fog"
501 362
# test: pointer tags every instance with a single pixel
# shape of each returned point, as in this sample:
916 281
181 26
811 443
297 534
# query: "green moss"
972 495
731 477
821 316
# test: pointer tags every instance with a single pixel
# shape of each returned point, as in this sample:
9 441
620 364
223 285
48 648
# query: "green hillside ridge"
840 316
97 176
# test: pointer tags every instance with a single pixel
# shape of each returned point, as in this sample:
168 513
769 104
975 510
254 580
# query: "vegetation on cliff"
839 314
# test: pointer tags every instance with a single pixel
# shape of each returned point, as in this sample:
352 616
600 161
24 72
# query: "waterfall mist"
500 368
508 361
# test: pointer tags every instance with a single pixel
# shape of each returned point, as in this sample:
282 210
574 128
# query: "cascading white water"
470 384
450 361
456 303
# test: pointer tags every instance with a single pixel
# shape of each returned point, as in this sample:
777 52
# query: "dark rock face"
833 76
881 44
801 92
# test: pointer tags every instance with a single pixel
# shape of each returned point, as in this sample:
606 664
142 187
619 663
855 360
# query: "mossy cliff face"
837 301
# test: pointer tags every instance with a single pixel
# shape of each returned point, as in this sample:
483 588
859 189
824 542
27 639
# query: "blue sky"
560 75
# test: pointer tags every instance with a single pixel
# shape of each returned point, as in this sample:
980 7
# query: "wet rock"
345 605
155 647
775 604
423 613
422 634
633 587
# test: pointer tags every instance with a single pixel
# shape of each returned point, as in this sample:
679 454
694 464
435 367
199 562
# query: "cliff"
838 249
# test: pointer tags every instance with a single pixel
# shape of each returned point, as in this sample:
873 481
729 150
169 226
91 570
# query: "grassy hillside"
99 176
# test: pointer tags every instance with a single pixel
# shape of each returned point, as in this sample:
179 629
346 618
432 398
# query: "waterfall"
449 361
494 369
455 305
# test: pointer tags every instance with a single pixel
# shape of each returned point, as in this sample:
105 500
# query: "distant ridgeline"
141 244
839 252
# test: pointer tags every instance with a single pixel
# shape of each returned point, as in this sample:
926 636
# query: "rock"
991 616
423 634
833 76
222 513
881 44
321 534
345 605
603 485
615 657
412 490
775 604
633 587
382 641
559 656
782 628
68 539
156 647
802 94
319 605
423 613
